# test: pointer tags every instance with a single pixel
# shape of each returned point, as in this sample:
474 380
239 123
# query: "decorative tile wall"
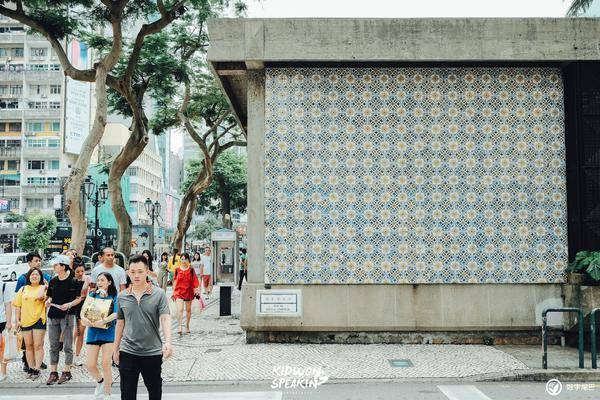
414 175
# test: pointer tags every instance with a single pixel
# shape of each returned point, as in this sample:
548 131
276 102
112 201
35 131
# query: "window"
55 104
54 67
133 171
2 165
36 164
38 105
14 127
52 180
16 89
34 127
53 143
13 144
3 52
36 90
49 202
3 89
34 203
55 127
55 89
13 204
9 104
39 52
17 52
36 180
36 143
54 164
13 165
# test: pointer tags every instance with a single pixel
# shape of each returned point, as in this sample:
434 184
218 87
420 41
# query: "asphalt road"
332 391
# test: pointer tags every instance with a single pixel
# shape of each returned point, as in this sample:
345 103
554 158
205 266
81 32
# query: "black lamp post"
97 195
153 211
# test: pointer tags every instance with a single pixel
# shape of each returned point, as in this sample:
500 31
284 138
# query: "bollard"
545 333
593 337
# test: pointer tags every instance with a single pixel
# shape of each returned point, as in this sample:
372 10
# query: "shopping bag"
11 344
96 308
202 305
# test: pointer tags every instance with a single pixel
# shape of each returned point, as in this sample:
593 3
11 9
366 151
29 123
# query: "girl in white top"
197 264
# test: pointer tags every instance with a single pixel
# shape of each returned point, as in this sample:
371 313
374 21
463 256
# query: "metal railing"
593 338
545 333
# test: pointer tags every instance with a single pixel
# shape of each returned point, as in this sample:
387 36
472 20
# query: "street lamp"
153 211
97 195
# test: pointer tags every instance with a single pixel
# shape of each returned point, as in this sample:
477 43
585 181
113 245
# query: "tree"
38 231
228 189
203 230
200 109
579 6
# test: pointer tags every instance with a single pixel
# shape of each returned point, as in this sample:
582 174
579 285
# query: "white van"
13 265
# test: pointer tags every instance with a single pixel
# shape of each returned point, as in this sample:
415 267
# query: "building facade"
412 174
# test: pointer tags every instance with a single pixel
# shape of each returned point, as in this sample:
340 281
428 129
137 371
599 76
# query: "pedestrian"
6 297
63 294
34 260
197 264
163 274
30 310
143 309
243 268
173 263
108 265
101 339
186 285
151 273
207 272
83 283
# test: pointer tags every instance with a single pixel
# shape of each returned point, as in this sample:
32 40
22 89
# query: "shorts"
206 280
98 343
2 327
37 325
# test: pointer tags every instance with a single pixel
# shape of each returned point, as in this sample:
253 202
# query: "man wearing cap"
63 294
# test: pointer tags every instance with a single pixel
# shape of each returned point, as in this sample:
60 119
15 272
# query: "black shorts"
37 325
98 343
2 327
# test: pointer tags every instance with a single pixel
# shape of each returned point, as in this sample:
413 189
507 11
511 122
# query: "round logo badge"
553 387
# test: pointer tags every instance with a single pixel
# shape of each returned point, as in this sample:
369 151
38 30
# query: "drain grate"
212 350
403 363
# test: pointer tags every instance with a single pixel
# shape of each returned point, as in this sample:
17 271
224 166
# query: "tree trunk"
226 210
129 153
78 171
188 206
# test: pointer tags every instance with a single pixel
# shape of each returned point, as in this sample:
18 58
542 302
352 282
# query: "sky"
405 8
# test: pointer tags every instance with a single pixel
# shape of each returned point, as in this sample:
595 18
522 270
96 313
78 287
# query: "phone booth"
225 260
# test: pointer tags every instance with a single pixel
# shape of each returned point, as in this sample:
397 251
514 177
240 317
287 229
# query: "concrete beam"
411 39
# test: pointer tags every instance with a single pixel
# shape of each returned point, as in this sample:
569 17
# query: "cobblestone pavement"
215 350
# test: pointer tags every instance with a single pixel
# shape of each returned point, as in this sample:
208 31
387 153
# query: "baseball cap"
60 259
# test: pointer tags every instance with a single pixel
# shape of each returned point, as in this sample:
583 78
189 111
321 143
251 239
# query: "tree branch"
230 127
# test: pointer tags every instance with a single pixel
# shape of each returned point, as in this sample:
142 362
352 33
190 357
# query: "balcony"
54 113
11 113
10 152
11 76
9 191
11 38
41 153
43 76
31 190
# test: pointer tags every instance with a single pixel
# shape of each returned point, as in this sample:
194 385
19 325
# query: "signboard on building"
77 101
4 205
279 303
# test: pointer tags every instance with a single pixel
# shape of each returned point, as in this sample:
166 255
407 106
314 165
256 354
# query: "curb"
544 375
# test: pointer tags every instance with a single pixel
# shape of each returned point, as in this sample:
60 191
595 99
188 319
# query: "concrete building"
32 87
412 175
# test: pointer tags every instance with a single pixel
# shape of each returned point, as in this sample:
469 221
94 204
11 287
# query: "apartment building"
32 88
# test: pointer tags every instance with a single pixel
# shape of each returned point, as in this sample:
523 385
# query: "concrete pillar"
256 176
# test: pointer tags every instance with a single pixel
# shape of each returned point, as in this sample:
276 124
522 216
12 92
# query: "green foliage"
586 261
203 230
40 228
228 190
579 6
12 217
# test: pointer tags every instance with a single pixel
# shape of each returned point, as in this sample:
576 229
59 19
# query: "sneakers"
33 374
99 388
43 366
78 361
65 377
52 379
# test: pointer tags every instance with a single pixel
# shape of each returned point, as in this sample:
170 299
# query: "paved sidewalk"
216 351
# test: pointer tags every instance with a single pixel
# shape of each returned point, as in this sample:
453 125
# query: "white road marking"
166 396
462 392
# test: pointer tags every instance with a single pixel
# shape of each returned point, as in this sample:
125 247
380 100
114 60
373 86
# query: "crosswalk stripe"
462 392
166 396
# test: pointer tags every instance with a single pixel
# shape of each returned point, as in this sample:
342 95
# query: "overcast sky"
406 8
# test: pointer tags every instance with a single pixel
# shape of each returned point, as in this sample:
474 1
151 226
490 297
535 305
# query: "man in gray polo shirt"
143 308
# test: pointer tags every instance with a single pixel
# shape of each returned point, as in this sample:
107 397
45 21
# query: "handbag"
95 308
12 343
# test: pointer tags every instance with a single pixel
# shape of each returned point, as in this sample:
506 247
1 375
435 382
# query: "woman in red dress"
186 286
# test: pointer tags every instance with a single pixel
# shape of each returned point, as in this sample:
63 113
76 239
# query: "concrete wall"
436 307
